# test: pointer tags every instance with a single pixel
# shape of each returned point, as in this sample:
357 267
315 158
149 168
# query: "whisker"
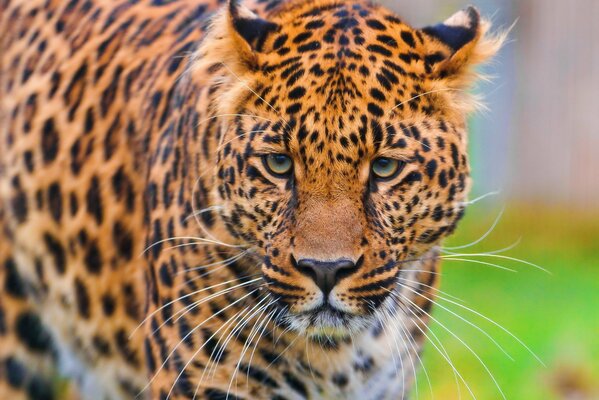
431 288
484 236
189 238
241 135
444 354
497 325
480 198
232 115
240 322
242 315
233 258
205 210
448 257
461 318
190 333
183 297
479 262
423 94
461 341
251 335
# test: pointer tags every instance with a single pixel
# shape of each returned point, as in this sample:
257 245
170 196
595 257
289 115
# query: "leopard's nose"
326 274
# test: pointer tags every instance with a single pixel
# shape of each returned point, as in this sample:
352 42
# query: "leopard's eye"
385 168
279 165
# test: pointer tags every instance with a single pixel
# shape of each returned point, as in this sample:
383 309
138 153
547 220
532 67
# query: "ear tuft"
458 30
250 28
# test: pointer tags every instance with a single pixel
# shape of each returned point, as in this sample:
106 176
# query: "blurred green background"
538 145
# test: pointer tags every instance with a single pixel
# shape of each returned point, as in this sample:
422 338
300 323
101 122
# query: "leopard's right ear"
247 29
234 39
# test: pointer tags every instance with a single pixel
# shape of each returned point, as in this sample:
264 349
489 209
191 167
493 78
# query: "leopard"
205 199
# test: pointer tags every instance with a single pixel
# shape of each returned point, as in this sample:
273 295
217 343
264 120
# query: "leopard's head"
343 156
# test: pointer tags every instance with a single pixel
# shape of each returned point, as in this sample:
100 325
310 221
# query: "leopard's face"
344 161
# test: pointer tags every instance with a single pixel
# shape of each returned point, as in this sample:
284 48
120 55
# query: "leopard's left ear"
465 36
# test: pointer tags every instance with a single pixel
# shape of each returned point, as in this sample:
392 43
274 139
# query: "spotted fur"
146 247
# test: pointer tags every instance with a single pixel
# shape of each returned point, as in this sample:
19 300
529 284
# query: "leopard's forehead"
342 80
338 49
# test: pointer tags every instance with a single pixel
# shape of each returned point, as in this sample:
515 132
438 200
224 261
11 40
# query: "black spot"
83 301
40 389
165 275
28 159
295 384
387 40
55 201
89 120
375 48
13 283
150 360
374 24
340 380
455 156
443 179
32 333
259 375
311 46
123 241
94 200
50 141
297 93
217 394
16 373
122 342
375 110
101 345
408 38
19 202
108 305
302 37
431 168
130 301
57 252
377 94
93 259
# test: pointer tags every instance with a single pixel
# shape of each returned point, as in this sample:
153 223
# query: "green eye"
386 168
278 164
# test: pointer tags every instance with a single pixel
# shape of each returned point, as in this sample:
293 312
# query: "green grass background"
555 314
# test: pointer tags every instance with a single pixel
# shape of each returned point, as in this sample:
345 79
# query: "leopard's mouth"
327 323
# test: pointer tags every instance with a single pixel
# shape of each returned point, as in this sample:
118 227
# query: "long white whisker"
444 354
481 198
448 257
461 318
479 262
230 259
183 297
421 95
190 333
497 325
189 238
483 237
251 336
461 341
233 115
243 315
